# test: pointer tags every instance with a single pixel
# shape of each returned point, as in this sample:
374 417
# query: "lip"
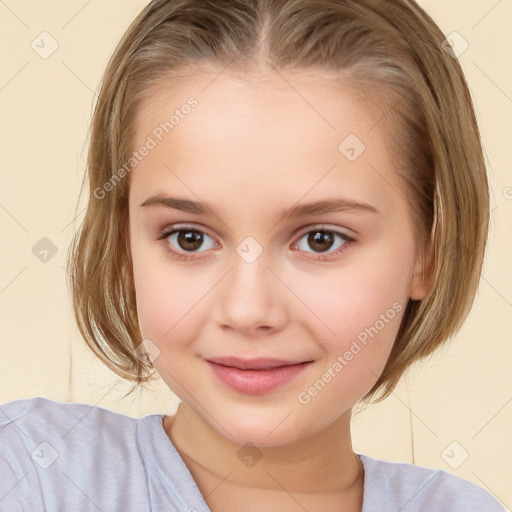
255 376
257 363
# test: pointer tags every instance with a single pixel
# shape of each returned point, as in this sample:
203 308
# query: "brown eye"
185 240
321 240
189 240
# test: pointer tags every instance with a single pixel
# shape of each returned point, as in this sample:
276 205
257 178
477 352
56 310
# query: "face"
270 326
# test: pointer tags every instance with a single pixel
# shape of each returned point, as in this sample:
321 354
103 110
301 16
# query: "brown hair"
389 53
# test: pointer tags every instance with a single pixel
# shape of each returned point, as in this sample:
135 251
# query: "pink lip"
255 376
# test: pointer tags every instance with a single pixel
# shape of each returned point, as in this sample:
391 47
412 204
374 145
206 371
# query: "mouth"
254 364
255 376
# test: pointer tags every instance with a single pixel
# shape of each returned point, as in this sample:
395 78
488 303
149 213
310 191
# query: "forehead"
280 134
316 100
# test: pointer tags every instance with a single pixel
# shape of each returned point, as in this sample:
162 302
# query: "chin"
263 428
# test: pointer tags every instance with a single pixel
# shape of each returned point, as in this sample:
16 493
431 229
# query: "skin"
251 148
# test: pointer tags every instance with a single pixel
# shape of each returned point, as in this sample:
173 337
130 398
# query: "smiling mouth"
255 376
256 363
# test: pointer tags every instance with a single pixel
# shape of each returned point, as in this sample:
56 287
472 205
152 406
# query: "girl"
231 140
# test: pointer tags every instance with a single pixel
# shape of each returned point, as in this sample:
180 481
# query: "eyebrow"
299 210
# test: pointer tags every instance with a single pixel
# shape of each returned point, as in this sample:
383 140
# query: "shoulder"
46 408
410 488
33 418
70 454
34 421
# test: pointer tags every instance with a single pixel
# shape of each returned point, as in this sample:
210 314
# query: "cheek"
357 314
166 302
365 320
346 301
167 296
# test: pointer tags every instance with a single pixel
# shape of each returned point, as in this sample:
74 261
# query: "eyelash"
170 230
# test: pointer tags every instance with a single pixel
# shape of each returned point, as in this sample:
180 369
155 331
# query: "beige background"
457 403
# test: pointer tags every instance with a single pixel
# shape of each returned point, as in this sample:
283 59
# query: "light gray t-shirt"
57 456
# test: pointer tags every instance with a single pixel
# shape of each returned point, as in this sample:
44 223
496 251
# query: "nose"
251 299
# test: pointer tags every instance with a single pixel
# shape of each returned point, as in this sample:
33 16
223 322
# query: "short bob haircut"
390 54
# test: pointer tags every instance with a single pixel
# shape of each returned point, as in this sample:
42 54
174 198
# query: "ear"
422 274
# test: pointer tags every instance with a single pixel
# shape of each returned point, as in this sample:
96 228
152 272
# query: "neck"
323 462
